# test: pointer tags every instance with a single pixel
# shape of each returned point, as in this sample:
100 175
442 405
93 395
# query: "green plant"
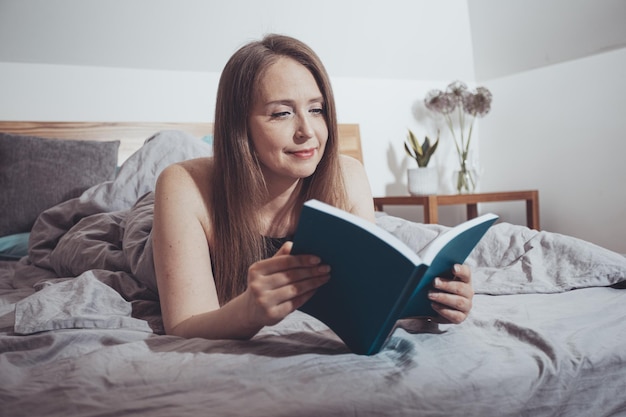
421 153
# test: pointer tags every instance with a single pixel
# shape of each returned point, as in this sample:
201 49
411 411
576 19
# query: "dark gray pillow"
38 173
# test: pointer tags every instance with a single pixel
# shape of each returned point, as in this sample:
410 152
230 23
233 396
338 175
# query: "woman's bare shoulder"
192 173
349 162
192 168
357 187
352 170
187 182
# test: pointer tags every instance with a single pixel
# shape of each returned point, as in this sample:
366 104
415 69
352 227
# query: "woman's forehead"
286 79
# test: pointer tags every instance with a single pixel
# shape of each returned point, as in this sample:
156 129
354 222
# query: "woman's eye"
317 111
280 114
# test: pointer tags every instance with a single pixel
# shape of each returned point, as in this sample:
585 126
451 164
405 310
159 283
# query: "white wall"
48 92
562 129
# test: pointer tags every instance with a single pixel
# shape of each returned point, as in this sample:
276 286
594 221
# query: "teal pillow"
208 139
14 246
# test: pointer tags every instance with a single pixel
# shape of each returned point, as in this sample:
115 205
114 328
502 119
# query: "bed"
80 336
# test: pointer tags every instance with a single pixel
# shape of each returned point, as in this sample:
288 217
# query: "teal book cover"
441 255
375 277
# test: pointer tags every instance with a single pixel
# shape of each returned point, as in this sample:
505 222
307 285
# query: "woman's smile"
304 153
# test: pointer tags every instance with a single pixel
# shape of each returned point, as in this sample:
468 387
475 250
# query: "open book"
375 278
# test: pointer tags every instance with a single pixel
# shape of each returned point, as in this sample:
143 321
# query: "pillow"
208 139
38 173
14 246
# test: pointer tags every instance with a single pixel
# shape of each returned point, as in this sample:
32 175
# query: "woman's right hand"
281 284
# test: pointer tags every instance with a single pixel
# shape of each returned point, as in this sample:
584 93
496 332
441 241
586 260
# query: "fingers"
452 298
281 284
282 270
454 288
296 294
447 315
283 261
462 273
286 285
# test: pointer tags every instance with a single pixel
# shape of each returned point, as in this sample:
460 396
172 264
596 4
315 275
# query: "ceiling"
394 39
511 36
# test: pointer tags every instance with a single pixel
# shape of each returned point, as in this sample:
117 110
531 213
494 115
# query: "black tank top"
272 244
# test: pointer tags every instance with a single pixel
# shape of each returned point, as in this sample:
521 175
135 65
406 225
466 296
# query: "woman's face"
287 123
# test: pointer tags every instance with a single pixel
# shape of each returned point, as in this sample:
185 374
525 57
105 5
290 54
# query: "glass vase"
464 179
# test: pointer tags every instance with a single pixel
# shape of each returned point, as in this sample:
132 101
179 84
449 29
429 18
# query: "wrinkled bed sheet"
81 335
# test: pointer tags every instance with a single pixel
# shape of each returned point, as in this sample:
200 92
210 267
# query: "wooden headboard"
132 135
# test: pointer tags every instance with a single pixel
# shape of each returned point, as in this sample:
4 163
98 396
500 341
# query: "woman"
222 224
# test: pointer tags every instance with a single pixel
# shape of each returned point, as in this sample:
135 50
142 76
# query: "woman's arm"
181 252
187 292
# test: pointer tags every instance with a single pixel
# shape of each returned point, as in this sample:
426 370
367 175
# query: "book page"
434 247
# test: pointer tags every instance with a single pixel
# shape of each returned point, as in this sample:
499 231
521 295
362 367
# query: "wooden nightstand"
431 203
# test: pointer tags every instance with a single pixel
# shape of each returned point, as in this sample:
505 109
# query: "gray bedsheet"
80 335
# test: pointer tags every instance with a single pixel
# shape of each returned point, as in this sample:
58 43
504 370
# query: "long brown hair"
238 188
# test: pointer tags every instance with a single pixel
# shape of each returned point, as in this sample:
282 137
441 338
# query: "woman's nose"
304 128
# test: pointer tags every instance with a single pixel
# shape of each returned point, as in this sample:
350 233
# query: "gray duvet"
80 329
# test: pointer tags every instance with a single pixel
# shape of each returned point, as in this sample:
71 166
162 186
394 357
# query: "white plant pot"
423 181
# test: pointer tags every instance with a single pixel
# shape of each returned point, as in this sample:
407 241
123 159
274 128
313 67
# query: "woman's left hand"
452 298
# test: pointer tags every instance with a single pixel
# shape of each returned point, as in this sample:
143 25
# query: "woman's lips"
304 154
